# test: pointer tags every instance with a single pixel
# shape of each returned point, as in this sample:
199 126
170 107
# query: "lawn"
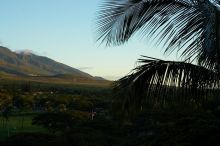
14 125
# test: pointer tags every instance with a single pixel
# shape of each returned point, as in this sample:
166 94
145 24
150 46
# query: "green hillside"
29 64
26 66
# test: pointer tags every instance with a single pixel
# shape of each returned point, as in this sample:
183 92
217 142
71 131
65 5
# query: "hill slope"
28 64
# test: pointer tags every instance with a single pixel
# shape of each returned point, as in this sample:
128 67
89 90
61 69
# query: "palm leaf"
159 82
189 26
184 25
118 20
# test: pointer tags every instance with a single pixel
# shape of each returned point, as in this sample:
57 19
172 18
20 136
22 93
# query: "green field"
17 124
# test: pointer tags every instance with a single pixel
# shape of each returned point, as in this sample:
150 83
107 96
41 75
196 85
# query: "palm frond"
162 82
184 25
118 20
197 36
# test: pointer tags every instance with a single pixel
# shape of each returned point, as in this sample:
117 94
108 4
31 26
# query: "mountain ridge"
29 64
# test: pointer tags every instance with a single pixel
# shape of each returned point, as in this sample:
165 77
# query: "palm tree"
191 27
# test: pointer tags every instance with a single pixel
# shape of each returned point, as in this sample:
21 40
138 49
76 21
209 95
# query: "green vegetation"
38 114
50 110
18 123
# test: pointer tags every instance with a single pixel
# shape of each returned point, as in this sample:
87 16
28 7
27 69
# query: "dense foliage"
73 116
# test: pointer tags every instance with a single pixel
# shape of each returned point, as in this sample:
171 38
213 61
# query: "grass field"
14 125
65 80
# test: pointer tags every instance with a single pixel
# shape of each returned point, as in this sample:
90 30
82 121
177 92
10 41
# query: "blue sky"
64 31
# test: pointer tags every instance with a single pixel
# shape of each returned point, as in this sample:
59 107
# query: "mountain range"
28 65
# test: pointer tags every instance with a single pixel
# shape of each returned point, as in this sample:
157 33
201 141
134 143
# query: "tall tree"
189 26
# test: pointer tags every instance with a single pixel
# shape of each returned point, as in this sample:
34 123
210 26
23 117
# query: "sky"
64 30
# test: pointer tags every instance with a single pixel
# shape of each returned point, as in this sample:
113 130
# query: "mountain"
27 64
